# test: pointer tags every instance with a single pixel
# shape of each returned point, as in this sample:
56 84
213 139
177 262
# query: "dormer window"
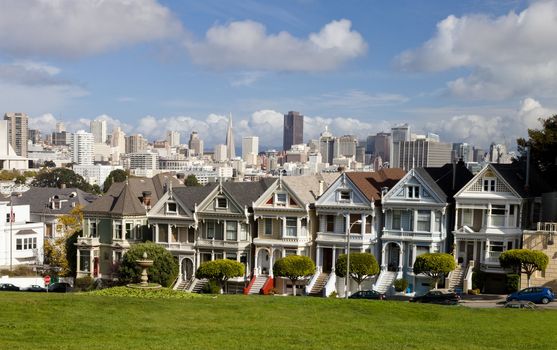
344 195
171 208
412 191
282 199
56 205
489 185
221 203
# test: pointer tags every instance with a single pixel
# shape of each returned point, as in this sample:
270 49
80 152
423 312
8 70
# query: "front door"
470 252
187 269
263 261
327 259
393 257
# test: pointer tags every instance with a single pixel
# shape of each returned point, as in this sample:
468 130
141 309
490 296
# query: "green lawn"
81 321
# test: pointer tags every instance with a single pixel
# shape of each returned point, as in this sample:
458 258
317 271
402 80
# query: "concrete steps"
258 284
385 281
317 289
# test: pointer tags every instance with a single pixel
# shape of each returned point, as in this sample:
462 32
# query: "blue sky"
475 71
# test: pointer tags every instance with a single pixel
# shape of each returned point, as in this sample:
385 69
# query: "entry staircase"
385 281
258 284
456 278
196 285
317 289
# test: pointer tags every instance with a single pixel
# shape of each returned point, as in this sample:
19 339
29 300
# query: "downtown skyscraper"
293 132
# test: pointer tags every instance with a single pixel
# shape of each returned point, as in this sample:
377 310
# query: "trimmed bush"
434 265
513 282
294 267
220 271
84 284
525 261
401 285
212 287
362 266
164 270
163 293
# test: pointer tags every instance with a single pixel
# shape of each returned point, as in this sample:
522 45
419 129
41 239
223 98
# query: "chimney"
321 187
146 199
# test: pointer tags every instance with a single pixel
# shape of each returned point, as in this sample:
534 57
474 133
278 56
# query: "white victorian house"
348 213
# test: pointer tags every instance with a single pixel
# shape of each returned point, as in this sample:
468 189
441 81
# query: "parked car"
367 294
522 304
8 287
35 288
438 296
535 294
59 287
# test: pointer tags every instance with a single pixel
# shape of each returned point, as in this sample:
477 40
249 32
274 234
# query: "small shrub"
163 293
274 291
84 284
212 287
473 291
513 282
401 285
333 294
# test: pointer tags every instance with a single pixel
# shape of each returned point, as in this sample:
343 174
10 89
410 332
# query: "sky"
477 71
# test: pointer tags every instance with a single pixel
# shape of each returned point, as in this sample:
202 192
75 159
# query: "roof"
443 177
39 198
192 195
125 198
307 187
370 183
245 193
515 175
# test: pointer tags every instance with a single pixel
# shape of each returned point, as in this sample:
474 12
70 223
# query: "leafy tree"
49 164
434 265
20 180
294 267
220 271
117 175
191 180
524 260
362 267
164 270
59 176
543 147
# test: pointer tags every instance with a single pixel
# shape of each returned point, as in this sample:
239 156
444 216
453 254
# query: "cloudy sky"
475 71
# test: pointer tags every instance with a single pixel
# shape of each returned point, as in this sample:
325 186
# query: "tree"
117 175
164 270
543 147
524 261
191 180
294 267
220 270
49 164
434 265
362 267
59 176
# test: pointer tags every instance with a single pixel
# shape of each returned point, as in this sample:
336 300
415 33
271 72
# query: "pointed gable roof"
190 196
306 188
245 193
370 183
443 177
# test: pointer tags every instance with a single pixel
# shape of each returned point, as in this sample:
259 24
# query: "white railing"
549 227
410 235
88 240
341 238
177 245
467 282
330 286
219 243
312 281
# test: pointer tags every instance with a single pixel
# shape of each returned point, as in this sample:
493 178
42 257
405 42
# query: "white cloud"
511 55
246 44
70 28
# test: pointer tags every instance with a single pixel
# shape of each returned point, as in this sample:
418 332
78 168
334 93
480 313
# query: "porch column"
256 271
414 252
197 259
432 221
507 210
271 254
456 216
486 256
169 233
363 224
456 251
78 260
488 220
414 220
475 253
212 255
283 233
334 258
318 263
401 257
383 257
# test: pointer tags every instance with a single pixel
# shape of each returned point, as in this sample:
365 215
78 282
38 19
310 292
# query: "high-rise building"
221 153
18 129
230 148
62 138
60 127
462 151
420 153
382 147
81 148
293 131
345 146
135 143
118 140
98 129
173 138
195 144
35 136
250 149
327 146
400 133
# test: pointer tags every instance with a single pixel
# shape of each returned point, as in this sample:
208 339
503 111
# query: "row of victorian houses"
394 215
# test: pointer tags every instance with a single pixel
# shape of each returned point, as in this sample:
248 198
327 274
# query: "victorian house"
349 216
115 221
417 216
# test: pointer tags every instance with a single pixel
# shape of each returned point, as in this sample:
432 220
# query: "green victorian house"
117 220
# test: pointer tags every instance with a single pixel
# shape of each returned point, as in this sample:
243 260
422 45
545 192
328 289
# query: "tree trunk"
294 287
528 278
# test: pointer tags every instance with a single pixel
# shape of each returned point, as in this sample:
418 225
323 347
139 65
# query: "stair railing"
311 283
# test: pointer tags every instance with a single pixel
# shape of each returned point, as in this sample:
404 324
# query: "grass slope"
84 321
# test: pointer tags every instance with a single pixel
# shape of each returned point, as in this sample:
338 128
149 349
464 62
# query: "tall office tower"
250 149
195 144
327 146
81 148
173 138
345 146
479 155
420 153
221 153
498 154
293 131
135 143
62 138
400 133
18 129
60 127
230 148
463 151
370 144
382 146
361 154
98 129
35 135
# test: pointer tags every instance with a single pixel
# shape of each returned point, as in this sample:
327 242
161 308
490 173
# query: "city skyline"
359 68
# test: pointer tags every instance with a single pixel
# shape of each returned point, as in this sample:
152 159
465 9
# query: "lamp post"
347 276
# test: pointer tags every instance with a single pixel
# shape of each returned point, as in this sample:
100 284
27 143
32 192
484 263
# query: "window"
330 223
288 252
232 230
221 203
93 229
291 227
406 219
268 226
171 208
231 256
129 230
424 220
396 220
467 217
489 185
243 232
163 233
118 256
498 215
437 227
118 230
413 192
356 228
282 199
18 244
344 195
215 230
84 260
